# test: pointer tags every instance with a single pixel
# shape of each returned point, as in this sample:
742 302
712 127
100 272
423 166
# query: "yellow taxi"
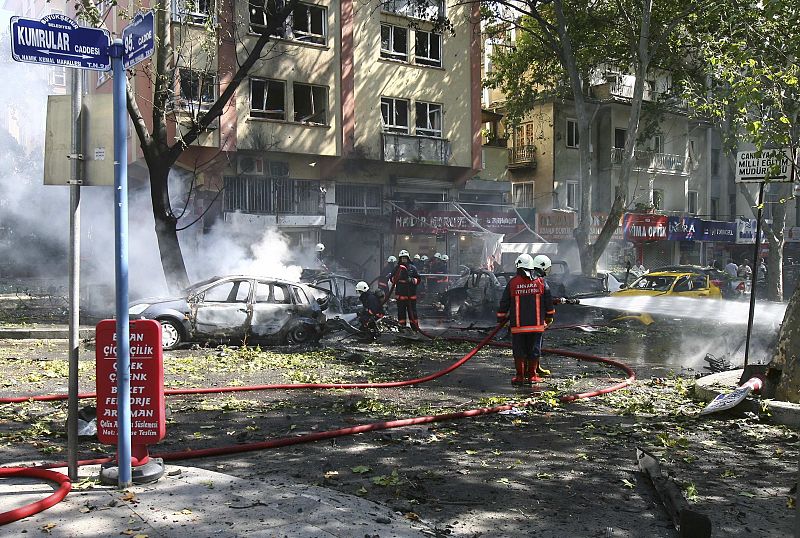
672 283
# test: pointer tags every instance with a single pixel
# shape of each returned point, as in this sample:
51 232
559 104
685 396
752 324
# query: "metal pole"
121 267
755 273
75 177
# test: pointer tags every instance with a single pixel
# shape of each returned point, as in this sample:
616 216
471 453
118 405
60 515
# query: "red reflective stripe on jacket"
406 298
526 302
528 329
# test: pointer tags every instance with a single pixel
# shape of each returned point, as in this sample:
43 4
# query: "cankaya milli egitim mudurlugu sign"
148 422
774 165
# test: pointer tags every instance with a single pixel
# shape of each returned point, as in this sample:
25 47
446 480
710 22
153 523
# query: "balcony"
522 157
272 201
650 161
403 148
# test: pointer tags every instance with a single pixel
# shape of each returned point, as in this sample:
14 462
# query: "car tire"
171 334
300 334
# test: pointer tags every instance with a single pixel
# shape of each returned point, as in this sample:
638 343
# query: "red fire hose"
42 472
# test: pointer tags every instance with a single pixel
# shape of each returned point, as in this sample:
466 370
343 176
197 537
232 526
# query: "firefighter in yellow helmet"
528 306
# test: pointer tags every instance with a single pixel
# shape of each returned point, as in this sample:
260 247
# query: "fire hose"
65 485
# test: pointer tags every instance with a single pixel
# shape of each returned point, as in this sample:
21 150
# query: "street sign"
773 165
137 39
58 40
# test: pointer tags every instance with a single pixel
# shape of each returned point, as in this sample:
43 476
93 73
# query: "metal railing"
522 155
415 149
270 196
650 160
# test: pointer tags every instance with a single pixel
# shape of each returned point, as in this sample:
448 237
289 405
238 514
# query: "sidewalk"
709 387
44 331
189 502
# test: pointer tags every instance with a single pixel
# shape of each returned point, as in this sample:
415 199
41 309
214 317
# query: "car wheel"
171 334
300 334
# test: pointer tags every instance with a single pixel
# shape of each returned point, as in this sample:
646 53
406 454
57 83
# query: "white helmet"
524 261
403 253
542 263
362 286
320 247
424 258
391 259
416 257
437 256
445 257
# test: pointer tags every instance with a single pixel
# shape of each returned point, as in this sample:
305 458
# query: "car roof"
673 273
254 277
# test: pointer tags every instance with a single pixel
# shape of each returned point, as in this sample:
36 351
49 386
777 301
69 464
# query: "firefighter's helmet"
542 263
362 286
424 258
403 253
437 256
391 259
524 261
320 247
445 257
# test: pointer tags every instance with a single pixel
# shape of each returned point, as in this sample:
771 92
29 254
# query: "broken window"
310 104
428 49
193 11
429 119
306 22
236 291
394 113
267 99
394 42
198 89
422 9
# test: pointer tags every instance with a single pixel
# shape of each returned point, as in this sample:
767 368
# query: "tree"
753 93
564 43
161 152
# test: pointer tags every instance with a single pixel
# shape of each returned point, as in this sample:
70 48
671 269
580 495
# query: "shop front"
648 233
717 238
687 231
559 227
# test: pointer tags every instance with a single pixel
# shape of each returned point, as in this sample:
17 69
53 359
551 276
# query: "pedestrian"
386 274
371 311
731 268
528 306
405 279
762 271
745 271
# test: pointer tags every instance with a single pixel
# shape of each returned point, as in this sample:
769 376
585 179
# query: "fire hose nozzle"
565 300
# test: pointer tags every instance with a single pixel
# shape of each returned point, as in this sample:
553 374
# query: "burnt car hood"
178 303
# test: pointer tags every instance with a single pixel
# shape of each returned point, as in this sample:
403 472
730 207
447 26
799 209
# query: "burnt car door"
272 309
222 310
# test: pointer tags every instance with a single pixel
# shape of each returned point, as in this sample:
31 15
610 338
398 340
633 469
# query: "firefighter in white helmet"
405 279
386 274
319 249
528 307
371 311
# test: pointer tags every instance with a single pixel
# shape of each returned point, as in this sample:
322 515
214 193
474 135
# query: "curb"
709 387
45 333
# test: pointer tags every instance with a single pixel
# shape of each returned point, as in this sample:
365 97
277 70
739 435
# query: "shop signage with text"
685 229
718 231
560 225
148 423
645 227
422 221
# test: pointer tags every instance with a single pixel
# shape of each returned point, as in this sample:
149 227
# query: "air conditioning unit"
250 166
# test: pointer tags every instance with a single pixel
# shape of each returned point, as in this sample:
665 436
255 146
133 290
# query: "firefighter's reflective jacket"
405 279
526 303
372 305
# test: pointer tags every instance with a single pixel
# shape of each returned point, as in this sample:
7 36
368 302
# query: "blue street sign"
137 39
58 40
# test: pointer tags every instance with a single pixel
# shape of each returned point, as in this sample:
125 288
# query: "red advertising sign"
421 221
645 227
560 225
148 422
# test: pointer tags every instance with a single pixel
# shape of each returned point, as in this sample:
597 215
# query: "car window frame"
201 296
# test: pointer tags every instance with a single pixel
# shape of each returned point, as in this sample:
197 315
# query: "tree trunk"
166 230
785 357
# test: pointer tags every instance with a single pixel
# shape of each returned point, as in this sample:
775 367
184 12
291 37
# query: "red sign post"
148 421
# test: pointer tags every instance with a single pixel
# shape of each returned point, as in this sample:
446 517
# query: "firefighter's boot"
532 368
519 366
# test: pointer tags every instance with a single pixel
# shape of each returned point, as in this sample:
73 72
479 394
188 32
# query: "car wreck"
237 308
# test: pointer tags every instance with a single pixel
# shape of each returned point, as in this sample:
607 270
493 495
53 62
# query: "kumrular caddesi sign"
773 165
58 40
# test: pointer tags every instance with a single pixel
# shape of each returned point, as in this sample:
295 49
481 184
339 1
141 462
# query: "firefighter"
372 309
319 249
417 262
386 274
528 306
436 264
405 279
425 264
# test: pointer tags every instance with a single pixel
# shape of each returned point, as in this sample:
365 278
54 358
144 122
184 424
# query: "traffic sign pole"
121 266
754 275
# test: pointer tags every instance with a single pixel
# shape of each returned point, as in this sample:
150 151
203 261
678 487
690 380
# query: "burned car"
237 309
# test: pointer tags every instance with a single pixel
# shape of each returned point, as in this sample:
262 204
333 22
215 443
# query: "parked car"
673 283
343 299
237 308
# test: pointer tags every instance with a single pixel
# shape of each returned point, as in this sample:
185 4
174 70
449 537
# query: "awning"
487 116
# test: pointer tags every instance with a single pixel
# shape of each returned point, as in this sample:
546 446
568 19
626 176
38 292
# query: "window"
573 198
429 119
395 115
280 294
310 104
198 90
307 22
658 144
422 9
572 134
524 194
236 291
619 138
658 198
193 11
58 76
428 48
394 43
262 292
268 99
691 205
715 162
355 198
300 296
714 209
